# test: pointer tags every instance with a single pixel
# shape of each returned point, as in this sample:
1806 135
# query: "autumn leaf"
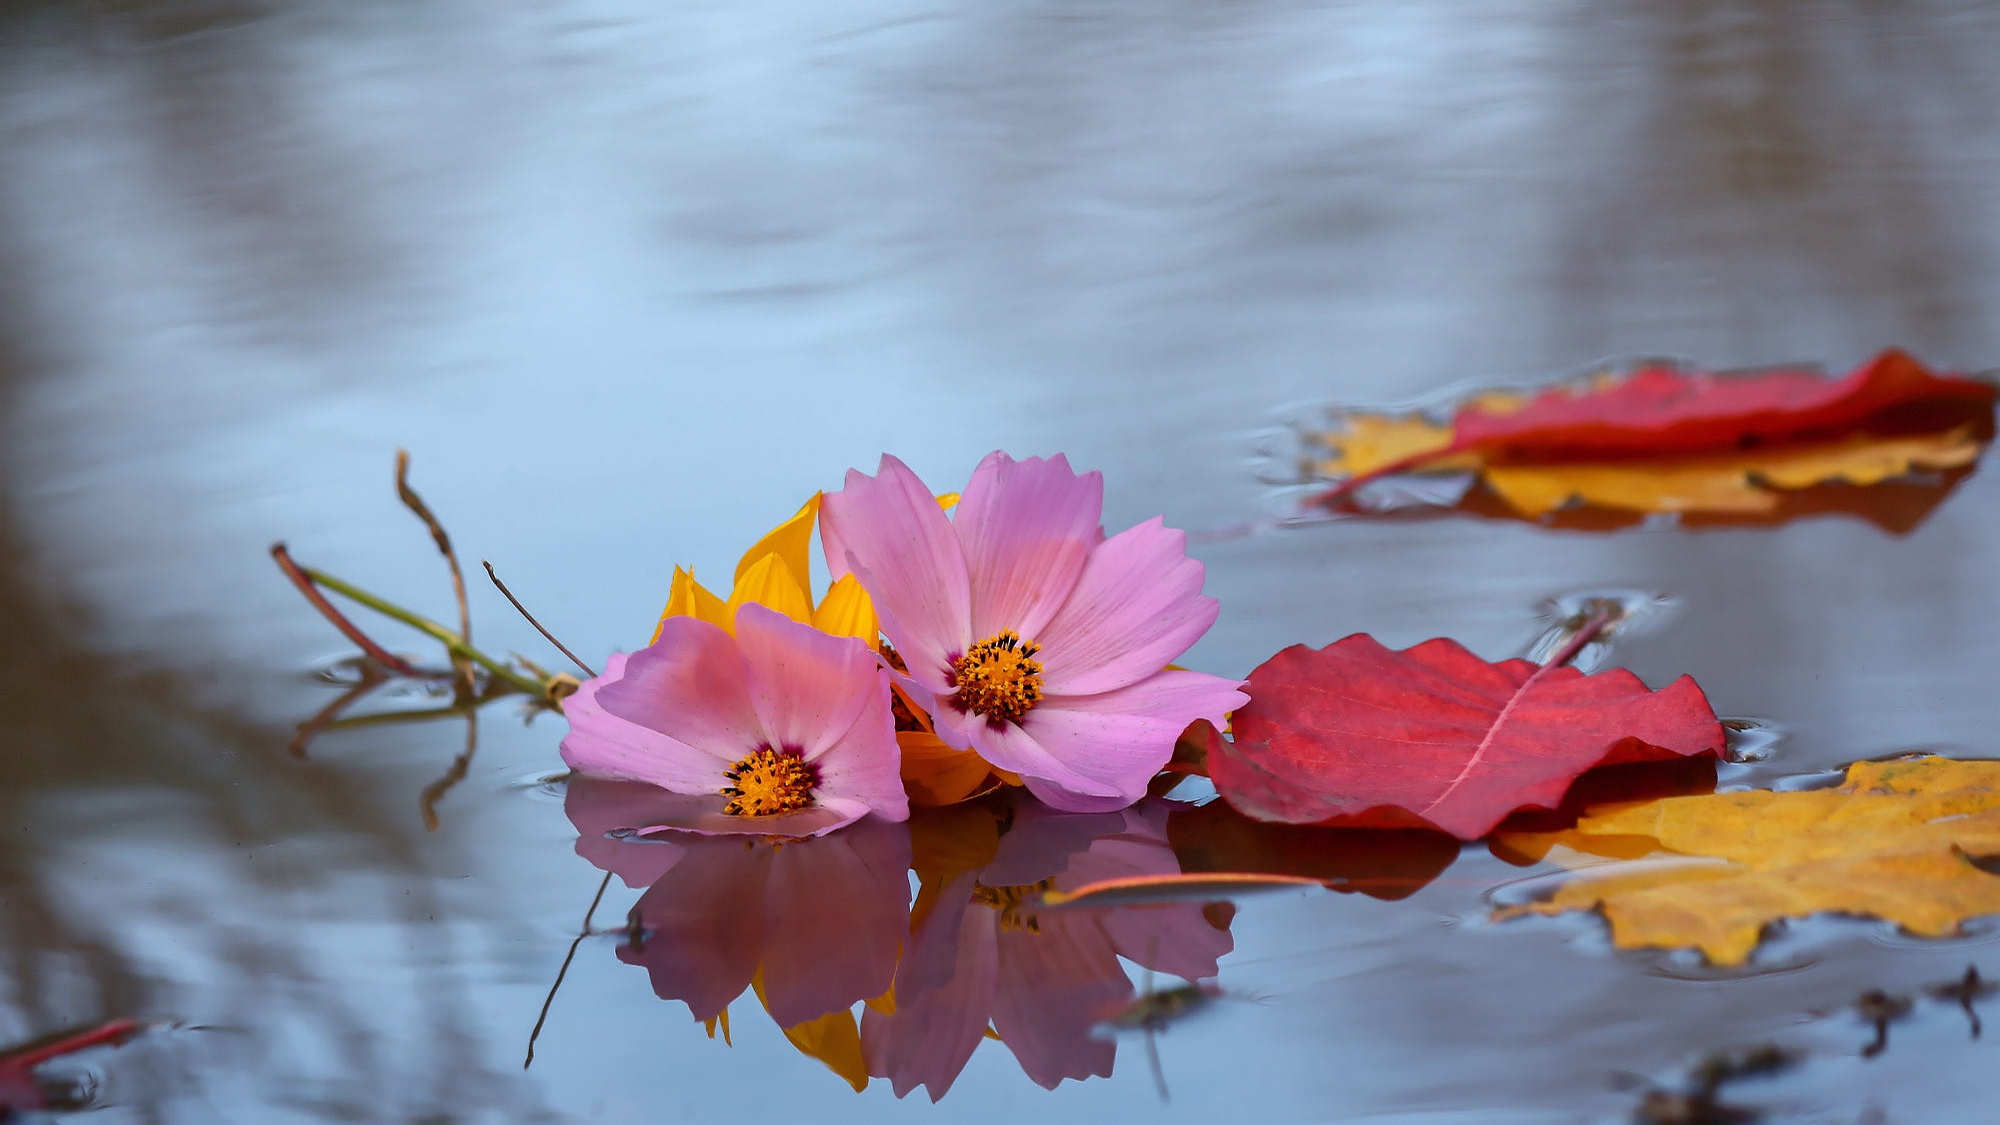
1363 736
1664 439
1897 841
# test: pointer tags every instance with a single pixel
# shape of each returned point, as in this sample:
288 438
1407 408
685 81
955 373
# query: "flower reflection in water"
817 926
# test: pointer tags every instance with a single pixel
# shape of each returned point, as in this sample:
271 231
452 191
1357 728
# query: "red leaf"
1364 736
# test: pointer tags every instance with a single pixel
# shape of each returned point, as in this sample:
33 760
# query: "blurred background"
631 280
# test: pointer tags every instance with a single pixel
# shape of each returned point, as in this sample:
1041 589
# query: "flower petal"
1026 528
890 529
704 926
691 685
1118 740
1055 986
688 598
806 687
1010 748
836 911
598 807
940 1022
863 765
848 611
1137 606
613 746
770 582
790 541
703 816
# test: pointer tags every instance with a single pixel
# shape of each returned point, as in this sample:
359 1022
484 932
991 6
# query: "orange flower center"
1015 903
769 782
998 678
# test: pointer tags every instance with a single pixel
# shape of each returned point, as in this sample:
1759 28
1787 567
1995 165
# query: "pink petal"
806 686
705 926
862 769
1011 748
692 685
937 1025
1026 528
1054 987
836 912
1137 606
598 807
892 533
613 746
1119 739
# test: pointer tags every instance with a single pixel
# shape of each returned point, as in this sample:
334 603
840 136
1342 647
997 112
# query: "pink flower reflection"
822 918
1044 978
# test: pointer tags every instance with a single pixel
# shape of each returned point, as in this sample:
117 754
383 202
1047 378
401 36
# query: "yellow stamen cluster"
1014 903
770 782
998 678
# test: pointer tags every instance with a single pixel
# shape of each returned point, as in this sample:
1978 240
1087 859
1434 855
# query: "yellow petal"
721 1020
936 774
847 611
769 582
947 500
688 598
790 541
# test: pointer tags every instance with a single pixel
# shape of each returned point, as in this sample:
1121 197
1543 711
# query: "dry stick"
523 610
309 586
564 971
435 791
415 503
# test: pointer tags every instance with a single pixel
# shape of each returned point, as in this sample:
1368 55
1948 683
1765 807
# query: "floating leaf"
1358 734
1898 841
1665 439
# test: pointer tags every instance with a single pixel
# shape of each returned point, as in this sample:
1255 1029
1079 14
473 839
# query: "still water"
630 281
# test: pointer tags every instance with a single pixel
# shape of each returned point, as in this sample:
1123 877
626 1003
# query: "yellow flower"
775 572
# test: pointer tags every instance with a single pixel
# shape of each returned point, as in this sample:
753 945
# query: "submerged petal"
890 529
1137 606
836 912
1026 528
691 685
615 746
1119 739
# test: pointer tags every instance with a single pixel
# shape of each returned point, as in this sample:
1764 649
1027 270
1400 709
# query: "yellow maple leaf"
1896 841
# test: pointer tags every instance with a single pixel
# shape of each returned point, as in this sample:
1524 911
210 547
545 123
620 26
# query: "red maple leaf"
1663 411
1361 735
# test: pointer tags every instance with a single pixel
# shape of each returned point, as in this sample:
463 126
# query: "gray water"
632 280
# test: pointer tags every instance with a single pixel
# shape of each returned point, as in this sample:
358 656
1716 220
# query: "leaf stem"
453 643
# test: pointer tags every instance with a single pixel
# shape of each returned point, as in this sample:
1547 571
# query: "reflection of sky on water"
629 281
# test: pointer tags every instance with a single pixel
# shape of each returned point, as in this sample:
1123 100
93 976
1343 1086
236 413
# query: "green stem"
452 642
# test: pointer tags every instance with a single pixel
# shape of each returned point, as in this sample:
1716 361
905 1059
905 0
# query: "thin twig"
564 971
523 610
1581 639
415 503
372 677
435 791
114 1032
452 642
308 583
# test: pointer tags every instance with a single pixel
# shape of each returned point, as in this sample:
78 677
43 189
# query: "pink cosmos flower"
780 730
1036 641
